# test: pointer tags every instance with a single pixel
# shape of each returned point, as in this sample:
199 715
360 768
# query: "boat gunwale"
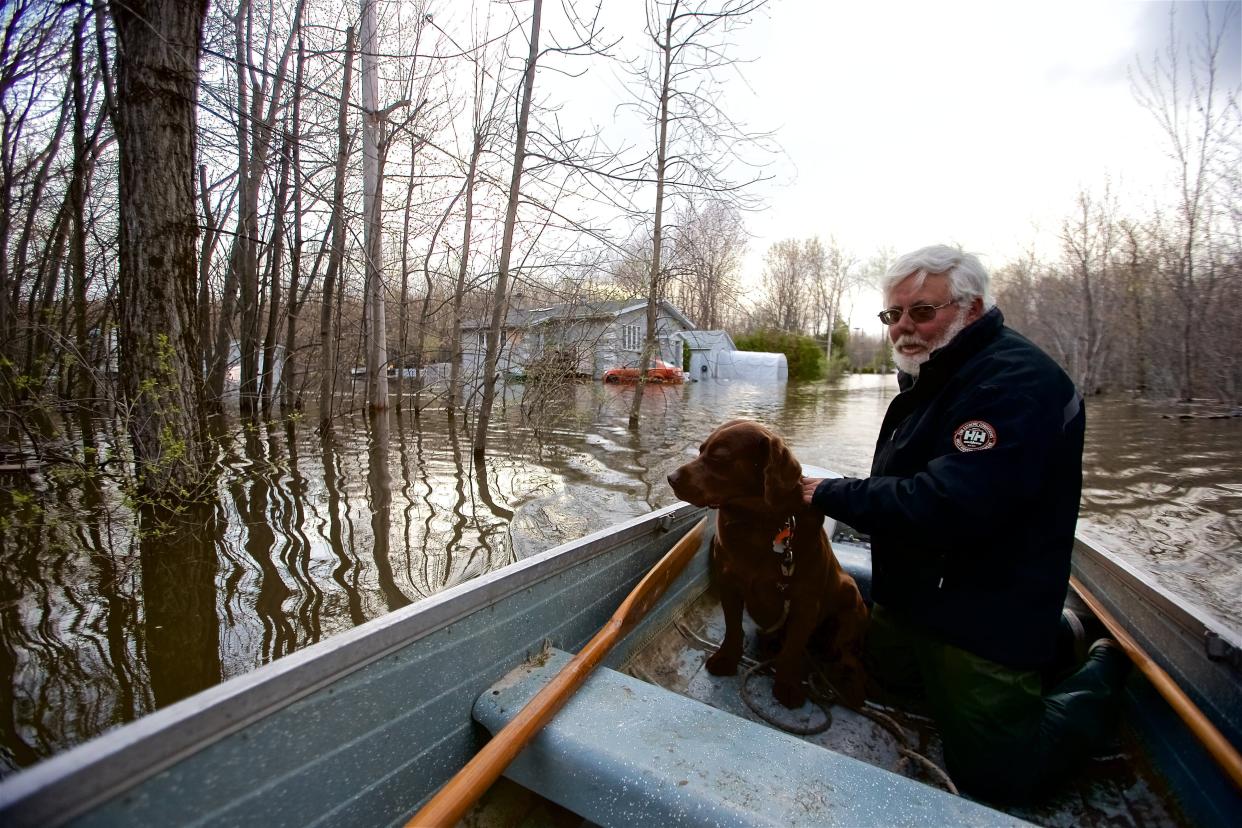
104 767
1143 584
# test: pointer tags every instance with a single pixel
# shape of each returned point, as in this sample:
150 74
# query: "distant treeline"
283 258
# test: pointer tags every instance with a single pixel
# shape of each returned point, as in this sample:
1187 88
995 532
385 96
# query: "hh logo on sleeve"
974 435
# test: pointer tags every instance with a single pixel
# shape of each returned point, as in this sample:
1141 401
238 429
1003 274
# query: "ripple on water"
318 535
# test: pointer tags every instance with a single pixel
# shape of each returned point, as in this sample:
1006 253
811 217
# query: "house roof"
709 340
609 309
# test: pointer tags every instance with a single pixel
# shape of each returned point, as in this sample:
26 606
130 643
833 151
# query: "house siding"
598 342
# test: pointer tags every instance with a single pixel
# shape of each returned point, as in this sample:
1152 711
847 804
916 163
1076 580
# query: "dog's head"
740 460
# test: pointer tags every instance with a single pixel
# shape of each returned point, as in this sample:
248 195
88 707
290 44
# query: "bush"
804 355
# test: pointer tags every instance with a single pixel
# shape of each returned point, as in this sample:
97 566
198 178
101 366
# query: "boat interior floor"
1118 788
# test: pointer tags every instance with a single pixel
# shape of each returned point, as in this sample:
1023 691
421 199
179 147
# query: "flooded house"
578 338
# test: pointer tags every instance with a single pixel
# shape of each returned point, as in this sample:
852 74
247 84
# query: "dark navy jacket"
973 495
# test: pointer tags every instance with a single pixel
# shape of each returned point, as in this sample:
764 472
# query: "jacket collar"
944 362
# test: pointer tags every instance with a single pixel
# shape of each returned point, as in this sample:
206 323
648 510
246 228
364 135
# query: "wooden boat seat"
625 752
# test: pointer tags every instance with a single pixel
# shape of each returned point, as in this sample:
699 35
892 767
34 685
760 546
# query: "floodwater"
102 623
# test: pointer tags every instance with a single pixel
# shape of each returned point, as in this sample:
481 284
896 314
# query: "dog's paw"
849 679
790 694
722 664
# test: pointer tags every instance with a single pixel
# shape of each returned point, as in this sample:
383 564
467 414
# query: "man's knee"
989 718
890 656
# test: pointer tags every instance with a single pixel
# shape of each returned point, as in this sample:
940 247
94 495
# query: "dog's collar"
782 545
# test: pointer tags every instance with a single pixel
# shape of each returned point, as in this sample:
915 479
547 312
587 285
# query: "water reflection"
1163 492
379 482
102 621
180 630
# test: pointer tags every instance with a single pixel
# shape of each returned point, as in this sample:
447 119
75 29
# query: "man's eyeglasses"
918 313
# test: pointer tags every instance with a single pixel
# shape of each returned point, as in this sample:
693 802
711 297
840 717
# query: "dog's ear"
782 473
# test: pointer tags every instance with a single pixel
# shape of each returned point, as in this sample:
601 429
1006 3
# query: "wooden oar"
1212 739
460 792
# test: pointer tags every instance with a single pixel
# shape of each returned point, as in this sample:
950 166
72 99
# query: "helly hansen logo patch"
974 435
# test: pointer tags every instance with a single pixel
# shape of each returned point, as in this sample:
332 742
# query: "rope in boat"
788 727
824 695
752 666
903 747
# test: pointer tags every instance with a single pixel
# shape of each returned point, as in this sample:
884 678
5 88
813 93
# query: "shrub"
802 353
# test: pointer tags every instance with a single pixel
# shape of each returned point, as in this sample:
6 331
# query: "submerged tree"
336 255
1199 116
157 96
695 142
499 300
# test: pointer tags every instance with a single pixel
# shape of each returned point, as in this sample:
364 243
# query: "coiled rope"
821 692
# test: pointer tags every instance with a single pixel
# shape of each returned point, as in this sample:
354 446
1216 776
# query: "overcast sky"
975 123
905 124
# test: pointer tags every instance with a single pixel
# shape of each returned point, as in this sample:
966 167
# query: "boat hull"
359 729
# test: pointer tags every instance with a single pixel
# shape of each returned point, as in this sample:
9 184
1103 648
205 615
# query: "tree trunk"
254 140
289 373
492 356
83 386
211 234
459 289
267 391
13 269
249 174
157 96
403 310
424 316
327 355
653 294
373 202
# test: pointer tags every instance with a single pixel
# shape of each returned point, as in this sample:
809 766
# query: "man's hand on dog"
809 485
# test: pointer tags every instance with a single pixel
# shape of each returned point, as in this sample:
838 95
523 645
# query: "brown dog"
771 556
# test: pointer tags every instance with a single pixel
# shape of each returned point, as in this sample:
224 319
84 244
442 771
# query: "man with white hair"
971 506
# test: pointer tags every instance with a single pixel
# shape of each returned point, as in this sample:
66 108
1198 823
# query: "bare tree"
1136 268
275 254
688 47
157 93
500 298
296 292
260 100
481 126
1016 289
1198 115
1088 240
786 284
373 200
84 385
709 242
30 45
834 273
327 351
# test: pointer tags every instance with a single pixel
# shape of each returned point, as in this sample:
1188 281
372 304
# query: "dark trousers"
1004 739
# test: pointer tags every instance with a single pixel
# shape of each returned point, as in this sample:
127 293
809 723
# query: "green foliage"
840 362
804 354
840 338
881 363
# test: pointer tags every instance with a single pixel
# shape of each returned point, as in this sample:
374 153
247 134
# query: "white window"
631 340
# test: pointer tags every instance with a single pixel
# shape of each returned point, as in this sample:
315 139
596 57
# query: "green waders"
1004 740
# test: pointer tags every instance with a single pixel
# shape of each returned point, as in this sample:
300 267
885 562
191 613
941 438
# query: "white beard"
912 364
